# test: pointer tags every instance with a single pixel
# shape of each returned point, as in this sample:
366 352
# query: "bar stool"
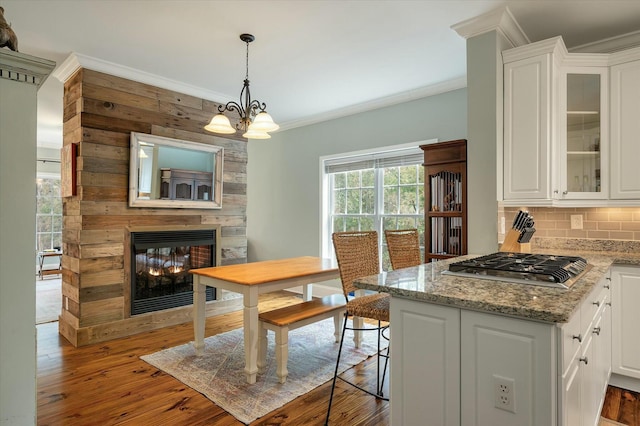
357 255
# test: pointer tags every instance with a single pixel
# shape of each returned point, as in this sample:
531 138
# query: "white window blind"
402 157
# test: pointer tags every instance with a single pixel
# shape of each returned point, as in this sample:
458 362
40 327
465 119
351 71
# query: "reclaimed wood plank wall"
100 112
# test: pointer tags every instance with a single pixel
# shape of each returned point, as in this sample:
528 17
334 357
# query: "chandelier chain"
247 72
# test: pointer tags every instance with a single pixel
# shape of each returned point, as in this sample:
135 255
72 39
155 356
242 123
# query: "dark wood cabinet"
445 191
179 184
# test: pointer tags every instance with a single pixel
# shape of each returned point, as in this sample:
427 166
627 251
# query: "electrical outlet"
505 393
576 221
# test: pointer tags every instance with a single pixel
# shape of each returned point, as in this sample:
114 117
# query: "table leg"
40 262
219 294
199 310
358 323
251 331
307 292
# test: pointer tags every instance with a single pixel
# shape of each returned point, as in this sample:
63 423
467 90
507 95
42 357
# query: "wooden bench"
294 316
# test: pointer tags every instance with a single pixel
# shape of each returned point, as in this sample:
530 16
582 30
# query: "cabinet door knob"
555 191
565 192
584 359
607 286
578 338
597 303
608 278
608 303
596 330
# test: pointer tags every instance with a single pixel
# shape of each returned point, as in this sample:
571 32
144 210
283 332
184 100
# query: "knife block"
511 243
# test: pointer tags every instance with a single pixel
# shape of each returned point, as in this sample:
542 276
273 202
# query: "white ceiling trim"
612 44
410 95
500 20
24 68
76 61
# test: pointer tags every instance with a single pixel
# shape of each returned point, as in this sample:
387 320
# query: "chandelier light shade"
255 122
220 124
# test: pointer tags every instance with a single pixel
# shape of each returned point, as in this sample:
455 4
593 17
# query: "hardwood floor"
108 384
622 406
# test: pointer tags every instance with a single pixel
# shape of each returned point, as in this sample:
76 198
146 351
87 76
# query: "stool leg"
262 346
335 374
282 353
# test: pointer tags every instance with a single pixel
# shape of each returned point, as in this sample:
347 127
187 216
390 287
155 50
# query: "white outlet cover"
505 393
576 221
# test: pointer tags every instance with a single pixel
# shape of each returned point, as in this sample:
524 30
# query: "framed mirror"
173 173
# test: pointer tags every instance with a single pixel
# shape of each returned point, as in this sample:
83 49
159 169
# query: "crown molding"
554 45
410 95
627 55
500 20
610 45
75 61
24 68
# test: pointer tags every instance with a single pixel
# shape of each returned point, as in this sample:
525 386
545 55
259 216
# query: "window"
373 191
48 214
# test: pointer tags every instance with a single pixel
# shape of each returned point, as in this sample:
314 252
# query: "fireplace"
160 264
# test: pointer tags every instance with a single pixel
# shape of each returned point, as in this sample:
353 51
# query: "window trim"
326 248
47 176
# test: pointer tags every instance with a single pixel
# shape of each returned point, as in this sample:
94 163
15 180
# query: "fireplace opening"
160 264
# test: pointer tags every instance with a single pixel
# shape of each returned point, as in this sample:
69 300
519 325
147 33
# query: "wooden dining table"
250 280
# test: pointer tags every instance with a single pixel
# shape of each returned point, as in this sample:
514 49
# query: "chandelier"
254 120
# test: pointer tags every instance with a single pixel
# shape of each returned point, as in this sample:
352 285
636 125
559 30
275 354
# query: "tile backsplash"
598 223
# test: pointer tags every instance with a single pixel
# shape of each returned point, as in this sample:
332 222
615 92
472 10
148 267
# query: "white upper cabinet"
625 127
563 145
582 133
527 126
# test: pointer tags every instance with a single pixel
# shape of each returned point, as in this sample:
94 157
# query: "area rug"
48 300
219 373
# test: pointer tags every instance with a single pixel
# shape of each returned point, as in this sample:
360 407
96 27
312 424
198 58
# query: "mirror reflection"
173 173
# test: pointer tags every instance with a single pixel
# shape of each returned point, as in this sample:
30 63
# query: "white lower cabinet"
585 344
425 364
570 395
515 352
625 281
452 366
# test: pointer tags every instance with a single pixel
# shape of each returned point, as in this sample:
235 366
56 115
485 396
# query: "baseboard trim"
625 382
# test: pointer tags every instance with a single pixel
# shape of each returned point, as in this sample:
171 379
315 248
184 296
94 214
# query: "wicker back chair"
404 248
357 255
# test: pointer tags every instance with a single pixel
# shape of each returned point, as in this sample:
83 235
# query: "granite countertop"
426 283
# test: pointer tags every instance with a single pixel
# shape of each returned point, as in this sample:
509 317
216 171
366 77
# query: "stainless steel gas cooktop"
538 269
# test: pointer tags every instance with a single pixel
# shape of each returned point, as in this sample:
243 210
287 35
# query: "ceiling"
311 61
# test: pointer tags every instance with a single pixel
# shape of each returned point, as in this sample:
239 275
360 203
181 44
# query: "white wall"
283 185
17 249
485 109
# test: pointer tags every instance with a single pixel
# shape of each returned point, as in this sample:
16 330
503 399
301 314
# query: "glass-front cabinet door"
583 144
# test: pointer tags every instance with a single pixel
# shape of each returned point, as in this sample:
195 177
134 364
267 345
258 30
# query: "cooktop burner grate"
523 266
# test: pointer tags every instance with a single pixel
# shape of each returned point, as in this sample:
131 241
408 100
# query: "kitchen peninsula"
470 351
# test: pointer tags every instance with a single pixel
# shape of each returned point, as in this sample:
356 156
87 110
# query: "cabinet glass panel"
583 133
